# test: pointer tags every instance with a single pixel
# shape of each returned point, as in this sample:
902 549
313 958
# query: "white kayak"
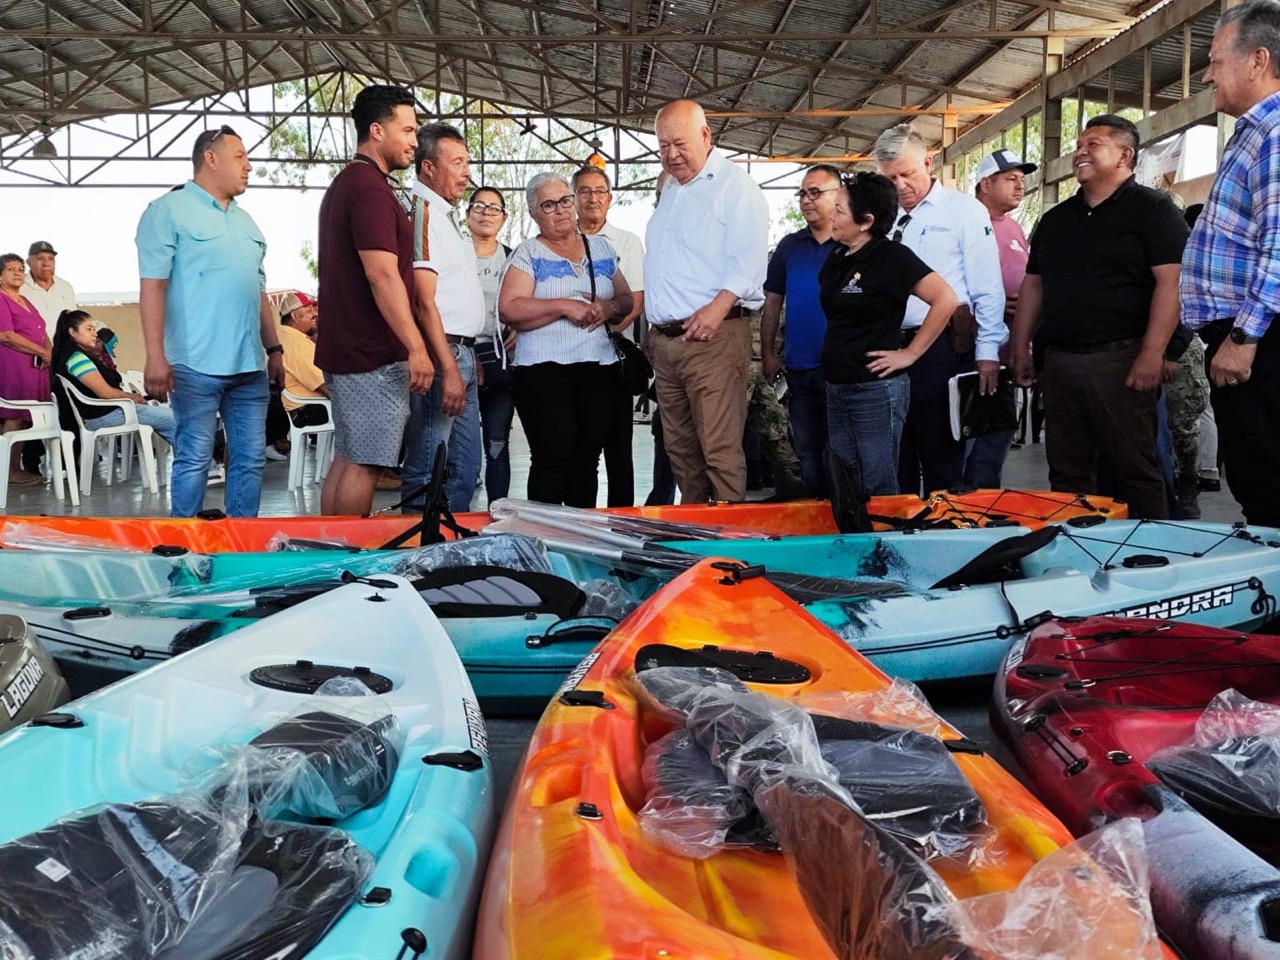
414 851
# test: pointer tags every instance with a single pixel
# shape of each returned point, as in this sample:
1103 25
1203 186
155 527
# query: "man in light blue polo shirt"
206 322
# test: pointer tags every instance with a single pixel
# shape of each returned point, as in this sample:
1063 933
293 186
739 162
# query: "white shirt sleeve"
981 258
745 256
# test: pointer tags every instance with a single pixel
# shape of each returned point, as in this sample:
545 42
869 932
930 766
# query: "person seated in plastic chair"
80 355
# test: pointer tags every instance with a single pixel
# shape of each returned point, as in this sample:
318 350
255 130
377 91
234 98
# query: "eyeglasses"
594 191
208 138
901 226
479 206
549 206
813 193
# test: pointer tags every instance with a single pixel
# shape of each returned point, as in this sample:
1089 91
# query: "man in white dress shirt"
48 293
594 195
448 304
951 232
706 254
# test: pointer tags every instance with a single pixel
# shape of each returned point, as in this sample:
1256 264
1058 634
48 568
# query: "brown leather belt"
676 328
464 341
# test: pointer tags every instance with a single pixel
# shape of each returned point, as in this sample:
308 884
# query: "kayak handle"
586 630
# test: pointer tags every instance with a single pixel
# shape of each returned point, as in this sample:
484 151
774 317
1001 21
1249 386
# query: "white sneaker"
274 454
217 475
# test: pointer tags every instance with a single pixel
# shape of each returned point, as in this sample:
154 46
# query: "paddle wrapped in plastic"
336 754
1089 900
1231 764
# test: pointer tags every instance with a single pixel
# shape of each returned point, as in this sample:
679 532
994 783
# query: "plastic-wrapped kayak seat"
30 682
266 729
492 591
1168 723
575 873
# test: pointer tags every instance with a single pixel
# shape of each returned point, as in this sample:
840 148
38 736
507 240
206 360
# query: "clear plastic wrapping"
1090 900
31 536
282 542
335 754
1232 763
493 550
605 598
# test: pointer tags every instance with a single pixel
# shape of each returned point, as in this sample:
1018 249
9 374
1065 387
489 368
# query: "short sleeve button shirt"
211 257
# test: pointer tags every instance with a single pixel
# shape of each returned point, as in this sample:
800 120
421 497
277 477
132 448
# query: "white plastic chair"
90 436
58 444
323 432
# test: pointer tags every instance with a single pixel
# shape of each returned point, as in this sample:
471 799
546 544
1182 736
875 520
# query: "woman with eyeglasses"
559 291
24 359
864 287
486 216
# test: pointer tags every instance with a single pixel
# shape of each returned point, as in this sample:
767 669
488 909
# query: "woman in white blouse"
560 290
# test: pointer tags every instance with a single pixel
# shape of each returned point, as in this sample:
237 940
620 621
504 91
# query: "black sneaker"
1209 485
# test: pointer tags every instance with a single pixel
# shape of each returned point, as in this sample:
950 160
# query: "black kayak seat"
1000 560
492 591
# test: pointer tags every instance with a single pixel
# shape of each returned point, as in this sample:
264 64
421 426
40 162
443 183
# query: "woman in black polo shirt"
864 286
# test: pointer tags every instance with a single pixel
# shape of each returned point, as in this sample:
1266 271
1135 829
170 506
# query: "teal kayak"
381 835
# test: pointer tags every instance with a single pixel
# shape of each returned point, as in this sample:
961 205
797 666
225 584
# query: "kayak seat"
805 589
1000 561
491 591
291 884
1235 780
348 765
123 881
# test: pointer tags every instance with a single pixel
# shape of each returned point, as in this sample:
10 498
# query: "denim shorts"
369 413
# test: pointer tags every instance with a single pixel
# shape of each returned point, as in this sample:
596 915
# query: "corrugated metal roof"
63 60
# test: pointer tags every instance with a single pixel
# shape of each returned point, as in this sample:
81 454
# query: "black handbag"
633 366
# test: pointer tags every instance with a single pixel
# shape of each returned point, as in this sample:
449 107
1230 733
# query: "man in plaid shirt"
1231 268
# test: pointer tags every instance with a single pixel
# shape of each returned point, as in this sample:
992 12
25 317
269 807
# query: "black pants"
312 415
277 418
565 409
929 458
1090 414
1248 418
618 462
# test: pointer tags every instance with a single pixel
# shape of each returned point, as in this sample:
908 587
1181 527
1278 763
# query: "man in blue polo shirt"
793 278
208 327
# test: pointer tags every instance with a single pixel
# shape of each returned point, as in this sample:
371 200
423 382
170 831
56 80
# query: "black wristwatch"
1238 335
274 348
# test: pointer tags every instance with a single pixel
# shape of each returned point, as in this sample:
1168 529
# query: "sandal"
24 479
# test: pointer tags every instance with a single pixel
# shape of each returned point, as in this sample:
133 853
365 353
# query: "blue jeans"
196 401
159 419
984 462
807 408
429 426
497 411
864 422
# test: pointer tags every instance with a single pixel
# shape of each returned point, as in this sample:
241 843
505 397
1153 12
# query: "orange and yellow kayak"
797 518
574 875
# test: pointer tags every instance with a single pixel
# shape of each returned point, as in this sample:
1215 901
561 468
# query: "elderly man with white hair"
705 260
951 232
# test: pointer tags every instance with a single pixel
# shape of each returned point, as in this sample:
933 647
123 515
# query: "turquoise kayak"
386 852
929 605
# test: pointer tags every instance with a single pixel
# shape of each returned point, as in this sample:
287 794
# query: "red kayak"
1085 704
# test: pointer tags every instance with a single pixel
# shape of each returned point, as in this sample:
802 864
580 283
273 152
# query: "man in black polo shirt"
1102 284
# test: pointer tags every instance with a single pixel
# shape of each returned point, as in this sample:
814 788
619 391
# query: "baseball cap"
41 246
1001 160
293 301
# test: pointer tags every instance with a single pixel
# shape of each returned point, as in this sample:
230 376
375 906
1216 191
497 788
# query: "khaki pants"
702 396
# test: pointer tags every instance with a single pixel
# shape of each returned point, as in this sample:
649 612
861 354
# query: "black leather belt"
464 341
676 328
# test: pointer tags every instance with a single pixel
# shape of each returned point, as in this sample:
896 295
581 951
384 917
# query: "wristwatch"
274 348
1238 335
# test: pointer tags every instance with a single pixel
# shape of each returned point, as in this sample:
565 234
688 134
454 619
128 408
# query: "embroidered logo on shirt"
852 285
986 231
1015 244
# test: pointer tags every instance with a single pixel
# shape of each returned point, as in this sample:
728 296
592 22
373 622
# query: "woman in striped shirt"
79 356
560 290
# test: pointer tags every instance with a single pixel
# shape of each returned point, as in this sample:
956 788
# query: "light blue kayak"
414 855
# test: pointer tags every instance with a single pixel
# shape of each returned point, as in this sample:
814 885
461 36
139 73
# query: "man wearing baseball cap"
1000 189
49 294
302 377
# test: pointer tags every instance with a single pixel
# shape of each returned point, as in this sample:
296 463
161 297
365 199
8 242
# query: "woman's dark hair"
377 104
63 346
872 194
8 258
485 188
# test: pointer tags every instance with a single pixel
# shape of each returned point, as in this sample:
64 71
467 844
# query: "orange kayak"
574 875
796 518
